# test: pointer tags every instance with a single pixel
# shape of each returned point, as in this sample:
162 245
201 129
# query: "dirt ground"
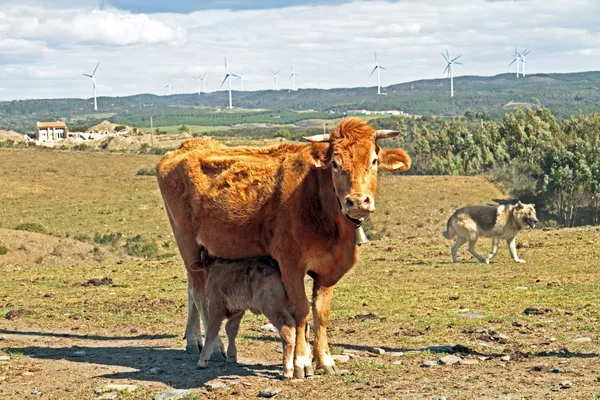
76 321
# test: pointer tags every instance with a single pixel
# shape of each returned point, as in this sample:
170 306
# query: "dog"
234 286
467 224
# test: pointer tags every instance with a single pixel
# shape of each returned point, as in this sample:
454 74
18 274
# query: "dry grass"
405 280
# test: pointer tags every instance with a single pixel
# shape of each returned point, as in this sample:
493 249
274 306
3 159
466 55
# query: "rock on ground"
116 388
450 360
269 392
173 394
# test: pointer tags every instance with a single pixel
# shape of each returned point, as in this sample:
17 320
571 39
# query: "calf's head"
352 153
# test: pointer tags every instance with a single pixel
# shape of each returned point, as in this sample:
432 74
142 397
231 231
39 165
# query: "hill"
564 94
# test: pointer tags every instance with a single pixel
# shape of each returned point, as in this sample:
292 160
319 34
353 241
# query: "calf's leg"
232 327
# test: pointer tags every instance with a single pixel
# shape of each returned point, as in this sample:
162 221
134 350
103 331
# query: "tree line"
533 155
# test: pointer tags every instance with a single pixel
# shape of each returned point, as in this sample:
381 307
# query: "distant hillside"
563 94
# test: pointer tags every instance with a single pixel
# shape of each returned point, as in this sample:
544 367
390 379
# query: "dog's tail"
449 233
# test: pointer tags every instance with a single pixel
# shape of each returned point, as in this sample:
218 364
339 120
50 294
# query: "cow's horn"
385 134
324 137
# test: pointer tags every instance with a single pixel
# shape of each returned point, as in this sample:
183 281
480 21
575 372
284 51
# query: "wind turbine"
169 86
449 68
524 60
228 78
275 75
198 79
377 68
516 59
293 78
93 76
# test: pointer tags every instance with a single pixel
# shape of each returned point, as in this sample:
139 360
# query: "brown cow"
299 203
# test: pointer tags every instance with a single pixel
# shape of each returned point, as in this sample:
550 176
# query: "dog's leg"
459 242
495 242
512 248
475 254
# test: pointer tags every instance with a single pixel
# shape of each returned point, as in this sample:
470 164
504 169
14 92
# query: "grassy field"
78 214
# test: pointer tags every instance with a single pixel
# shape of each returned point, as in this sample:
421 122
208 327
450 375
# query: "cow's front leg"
293 280
321 305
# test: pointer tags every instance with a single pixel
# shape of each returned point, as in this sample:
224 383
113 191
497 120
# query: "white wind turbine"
203 79
377 68
169 86
450 69
524 60
228 78
93 77
293 78
275 75
516 59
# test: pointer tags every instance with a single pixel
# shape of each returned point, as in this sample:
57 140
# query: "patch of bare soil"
30 249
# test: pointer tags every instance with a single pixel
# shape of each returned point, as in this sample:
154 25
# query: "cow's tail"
449 233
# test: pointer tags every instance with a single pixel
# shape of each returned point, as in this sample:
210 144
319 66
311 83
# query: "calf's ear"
320 154
394 160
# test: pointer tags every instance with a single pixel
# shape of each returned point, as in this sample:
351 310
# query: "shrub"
3 250
31 227
146 171
81 147
110 238
136 246
82 237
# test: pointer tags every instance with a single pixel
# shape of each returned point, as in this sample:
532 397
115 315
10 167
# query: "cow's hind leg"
285 324
193 332
321 306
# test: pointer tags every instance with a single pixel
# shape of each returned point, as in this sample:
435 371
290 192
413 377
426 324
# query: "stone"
341 358
583 340
566 385
429 364
280 349
396 353
351 355
269 392
468 361
505 358
557 370
116 388
449 360
215 385
268 328
173 394
79 353
470 314
108 396
4 358
397 362
36 392
156 370
377 350
344 372
27 373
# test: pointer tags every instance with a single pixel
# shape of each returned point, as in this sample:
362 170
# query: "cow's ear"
519 204
394 160
320 154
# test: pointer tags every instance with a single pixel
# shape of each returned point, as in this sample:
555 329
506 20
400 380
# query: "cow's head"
352 153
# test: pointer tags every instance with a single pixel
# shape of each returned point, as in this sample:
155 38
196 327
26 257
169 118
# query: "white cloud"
328 45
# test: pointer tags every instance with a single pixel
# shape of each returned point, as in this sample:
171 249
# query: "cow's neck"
332 210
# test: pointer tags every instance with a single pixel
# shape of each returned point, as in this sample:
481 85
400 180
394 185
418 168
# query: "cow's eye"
335 166
374 162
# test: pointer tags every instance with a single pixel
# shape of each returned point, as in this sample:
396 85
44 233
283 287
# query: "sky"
142 45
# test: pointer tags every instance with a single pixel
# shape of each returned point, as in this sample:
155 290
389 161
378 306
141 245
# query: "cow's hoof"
218 356
328 369
298 372
193 347
232 359
202 364
309 371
